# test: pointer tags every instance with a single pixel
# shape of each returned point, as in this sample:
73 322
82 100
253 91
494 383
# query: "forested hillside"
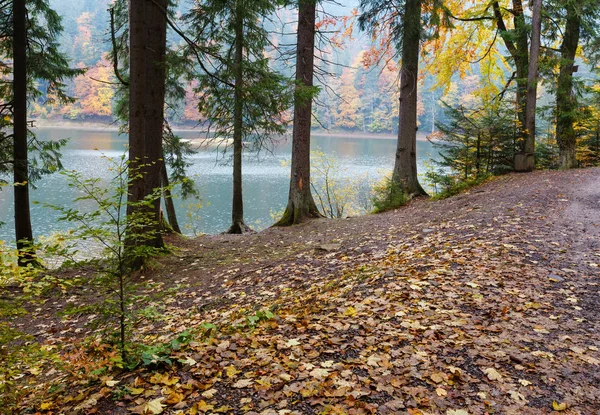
356 98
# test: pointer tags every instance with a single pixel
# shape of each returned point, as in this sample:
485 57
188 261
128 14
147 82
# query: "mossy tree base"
238 228
294 215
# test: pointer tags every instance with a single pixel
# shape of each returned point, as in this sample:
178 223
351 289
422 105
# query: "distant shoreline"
96 126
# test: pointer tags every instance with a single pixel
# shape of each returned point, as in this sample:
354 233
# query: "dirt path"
487 302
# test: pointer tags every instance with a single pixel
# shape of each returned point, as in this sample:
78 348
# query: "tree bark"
404 174
168 198
532 77
566 103
237 207
23 230
517 46
147 26
301 205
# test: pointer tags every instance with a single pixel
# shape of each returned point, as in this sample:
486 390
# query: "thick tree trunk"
23 231
147 25
237 208
517 45
301 205
566 104
532 77
522 65
168 198
156 26
404 175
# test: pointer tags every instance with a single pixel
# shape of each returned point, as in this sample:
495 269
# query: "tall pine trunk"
147 25
566 104
23 231
404 174
301 205
237 208
532 77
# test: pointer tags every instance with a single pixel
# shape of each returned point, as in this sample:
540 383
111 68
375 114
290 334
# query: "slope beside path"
483 303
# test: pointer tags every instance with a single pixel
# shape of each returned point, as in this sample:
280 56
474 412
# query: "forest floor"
484 303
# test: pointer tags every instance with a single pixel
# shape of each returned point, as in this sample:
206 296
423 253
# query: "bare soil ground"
487 302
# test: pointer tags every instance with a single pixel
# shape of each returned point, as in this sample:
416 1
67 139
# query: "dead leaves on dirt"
463 317
423 330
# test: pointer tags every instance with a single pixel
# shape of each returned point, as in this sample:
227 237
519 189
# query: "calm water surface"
265 180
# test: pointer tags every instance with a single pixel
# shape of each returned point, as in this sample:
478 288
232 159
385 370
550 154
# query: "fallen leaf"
292 342
231 371
437 377
243 383
209 393
319 373
559 406
154 406
524 382
493 374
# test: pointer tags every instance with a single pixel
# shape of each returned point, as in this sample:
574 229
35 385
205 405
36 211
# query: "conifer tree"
301 205
243 99
29 52
401 22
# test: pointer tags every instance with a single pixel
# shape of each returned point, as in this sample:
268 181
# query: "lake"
265 177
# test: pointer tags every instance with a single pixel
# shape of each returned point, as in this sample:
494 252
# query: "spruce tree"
242 98
29 52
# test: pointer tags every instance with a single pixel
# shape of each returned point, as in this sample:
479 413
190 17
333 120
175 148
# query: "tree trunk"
23 231
532 77
156 27
517 46
147 26
522 65
168 197
405 167
237 208
301 205
566 104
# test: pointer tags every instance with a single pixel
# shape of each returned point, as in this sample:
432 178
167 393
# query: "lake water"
265 179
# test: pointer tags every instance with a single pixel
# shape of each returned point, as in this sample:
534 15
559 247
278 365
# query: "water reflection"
265 180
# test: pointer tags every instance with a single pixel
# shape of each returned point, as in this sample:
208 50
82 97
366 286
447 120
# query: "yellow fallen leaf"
456 412
350 312
136 391
174 398
111 383
231 371
164 379
46 405
155 406
441 392
559 406
202 406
